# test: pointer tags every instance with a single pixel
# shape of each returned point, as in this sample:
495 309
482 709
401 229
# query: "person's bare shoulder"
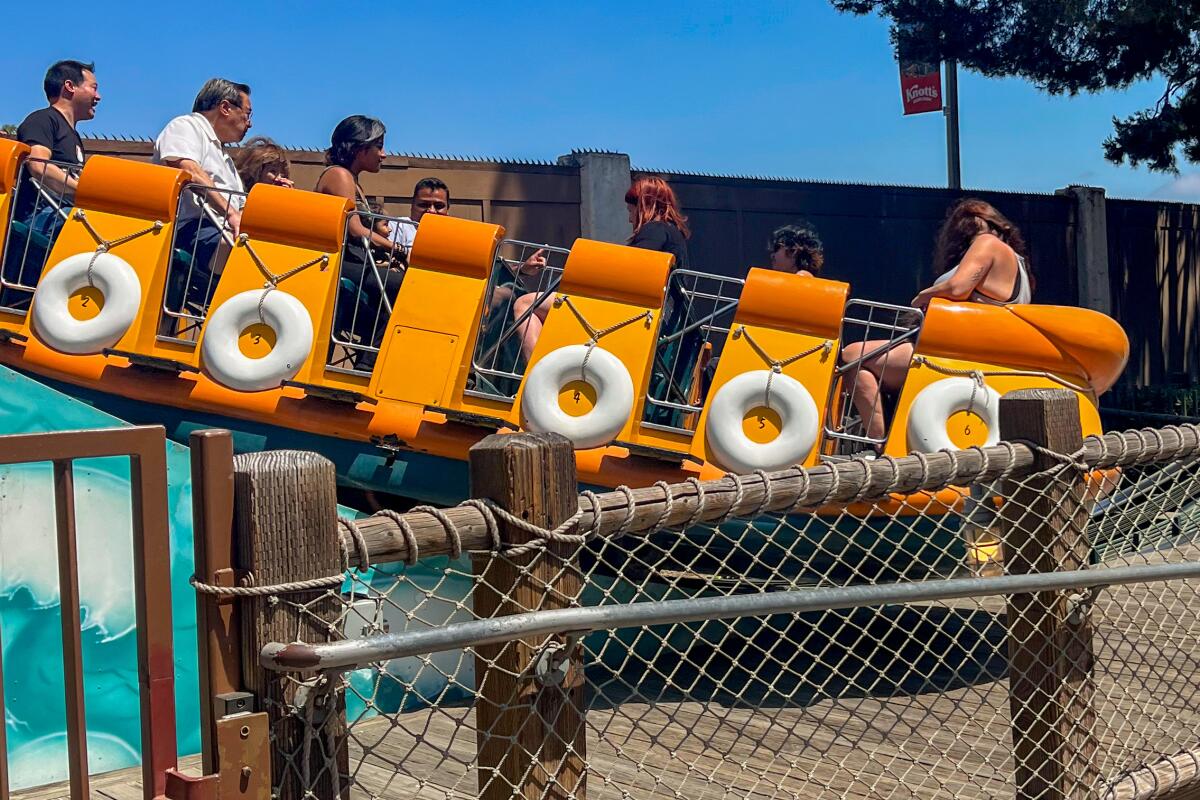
336 180
988 245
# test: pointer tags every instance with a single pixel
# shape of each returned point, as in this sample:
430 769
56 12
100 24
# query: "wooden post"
218 650
1050 656
530 733
285 522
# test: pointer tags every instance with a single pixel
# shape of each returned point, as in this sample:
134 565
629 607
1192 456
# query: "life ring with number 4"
540 408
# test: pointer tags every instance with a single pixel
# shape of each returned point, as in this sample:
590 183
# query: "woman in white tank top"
981 257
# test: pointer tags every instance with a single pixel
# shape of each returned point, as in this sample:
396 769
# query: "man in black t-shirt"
50 133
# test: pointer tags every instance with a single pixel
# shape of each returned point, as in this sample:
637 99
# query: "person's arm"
218 200
340 183
38 132
971 272
53 178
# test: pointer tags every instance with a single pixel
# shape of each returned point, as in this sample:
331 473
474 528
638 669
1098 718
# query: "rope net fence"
965 688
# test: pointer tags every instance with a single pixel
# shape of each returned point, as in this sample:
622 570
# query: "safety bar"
489 360
193 269
20 274
354 654
359 331
890 325
700 311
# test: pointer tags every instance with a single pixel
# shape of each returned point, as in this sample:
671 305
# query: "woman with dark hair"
981 258
796 248
260 160
356 147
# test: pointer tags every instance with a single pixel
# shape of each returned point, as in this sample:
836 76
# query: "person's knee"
522 304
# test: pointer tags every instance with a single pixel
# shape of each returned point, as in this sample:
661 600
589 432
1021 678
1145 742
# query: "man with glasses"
196 144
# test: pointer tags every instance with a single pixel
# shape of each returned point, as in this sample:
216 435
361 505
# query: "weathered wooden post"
1050 658
530 728
285 522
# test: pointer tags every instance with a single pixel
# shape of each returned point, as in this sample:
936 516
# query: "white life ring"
116 281
540 409
797 415
936 403
283 314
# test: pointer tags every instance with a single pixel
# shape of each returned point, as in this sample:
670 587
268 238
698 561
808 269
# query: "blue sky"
775 88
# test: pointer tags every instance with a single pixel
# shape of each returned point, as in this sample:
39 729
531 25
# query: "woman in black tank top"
356 147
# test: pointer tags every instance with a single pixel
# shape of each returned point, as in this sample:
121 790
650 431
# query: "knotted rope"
594 335
273 279
105 245
978 374
777 365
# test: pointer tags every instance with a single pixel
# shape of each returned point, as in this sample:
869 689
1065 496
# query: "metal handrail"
196 193
483 359
722 305
353 654
53 201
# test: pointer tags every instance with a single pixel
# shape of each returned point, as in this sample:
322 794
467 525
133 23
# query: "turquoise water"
29 612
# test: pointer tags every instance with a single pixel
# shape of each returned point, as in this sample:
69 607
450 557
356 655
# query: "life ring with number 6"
936 403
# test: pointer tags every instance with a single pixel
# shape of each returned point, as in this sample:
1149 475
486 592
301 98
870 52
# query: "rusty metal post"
152 599
216 617
531 727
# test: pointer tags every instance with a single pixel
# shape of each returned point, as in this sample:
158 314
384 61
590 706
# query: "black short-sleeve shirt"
49 128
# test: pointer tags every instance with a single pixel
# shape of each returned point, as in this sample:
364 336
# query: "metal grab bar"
701 310
353 654
358 331
866 321
489 359
17 259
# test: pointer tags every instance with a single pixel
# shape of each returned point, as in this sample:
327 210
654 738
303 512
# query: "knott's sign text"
920 87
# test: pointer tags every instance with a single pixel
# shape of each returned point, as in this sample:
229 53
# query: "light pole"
953 161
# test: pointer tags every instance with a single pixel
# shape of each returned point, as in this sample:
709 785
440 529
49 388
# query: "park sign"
920 86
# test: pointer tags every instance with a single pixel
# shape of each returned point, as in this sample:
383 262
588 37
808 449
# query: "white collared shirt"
191 136
404 232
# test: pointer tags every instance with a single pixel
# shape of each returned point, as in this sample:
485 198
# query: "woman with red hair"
656 220
657 225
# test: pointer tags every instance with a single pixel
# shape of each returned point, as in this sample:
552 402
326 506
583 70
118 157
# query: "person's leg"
872 377
191 274
530 329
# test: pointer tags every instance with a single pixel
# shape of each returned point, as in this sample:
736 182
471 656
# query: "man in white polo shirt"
196 143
